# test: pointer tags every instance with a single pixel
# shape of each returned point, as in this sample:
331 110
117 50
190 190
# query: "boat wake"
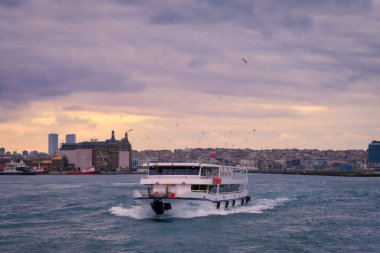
257 206
63 186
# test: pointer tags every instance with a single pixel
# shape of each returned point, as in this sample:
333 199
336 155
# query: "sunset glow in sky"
173 72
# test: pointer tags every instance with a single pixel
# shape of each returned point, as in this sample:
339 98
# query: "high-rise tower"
374 152
71 139
53 143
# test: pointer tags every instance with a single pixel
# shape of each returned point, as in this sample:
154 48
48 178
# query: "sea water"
96 213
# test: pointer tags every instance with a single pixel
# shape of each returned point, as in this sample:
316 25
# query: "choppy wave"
123 184
257 206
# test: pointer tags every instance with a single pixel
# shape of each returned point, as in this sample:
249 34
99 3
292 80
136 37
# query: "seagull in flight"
245 61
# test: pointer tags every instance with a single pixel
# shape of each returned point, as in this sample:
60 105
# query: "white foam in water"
135 212
257 206
63 186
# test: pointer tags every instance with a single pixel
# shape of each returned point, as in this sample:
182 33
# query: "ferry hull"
18 174
183 206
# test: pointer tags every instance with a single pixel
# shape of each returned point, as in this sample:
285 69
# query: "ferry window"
209 171
235 187
193 171
152 171
224 188
195 187
212 188
173 170
229 188
203 187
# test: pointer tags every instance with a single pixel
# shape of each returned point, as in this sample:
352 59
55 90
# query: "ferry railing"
233 175
148 193
223 193
166 176
203 191
214 193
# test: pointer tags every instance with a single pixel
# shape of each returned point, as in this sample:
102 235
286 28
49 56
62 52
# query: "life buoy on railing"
156 194
172 195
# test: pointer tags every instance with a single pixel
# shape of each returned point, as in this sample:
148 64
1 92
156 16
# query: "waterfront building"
374 152
279 164
53 143
71 138
33 153
319 163
293 163
106 155
56 163
2 151
138 162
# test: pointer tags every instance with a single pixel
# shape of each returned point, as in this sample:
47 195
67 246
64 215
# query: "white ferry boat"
17 168
173 187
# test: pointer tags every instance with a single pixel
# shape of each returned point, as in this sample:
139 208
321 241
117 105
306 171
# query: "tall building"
374 152
53 143
105 155
71 138
2 151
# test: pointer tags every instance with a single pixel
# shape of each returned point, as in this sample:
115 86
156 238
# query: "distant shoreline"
321 173
311 173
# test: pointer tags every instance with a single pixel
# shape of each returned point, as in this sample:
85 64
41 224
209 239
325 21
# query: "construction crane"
104 162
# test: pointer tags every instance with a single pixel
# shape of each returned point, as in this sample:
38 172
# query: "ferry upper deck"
193 173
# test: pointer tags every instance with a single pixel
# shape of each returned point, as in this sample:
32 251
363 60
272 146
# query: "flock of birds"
202 132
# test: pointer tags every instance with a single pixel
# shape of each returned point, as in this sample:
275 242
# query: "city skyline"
174 73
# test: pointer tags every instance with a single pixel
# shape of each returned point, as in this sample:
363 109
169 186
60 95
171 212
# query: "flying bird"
245 61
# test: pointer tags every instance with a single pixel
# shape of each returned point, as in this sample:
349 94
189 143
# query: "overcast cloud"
153 58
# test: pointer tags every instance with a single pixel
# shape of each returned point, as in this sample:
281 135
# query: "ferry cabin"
193 180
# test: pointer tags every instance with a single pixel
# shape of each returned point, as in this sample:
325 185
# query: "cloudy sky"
172 71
